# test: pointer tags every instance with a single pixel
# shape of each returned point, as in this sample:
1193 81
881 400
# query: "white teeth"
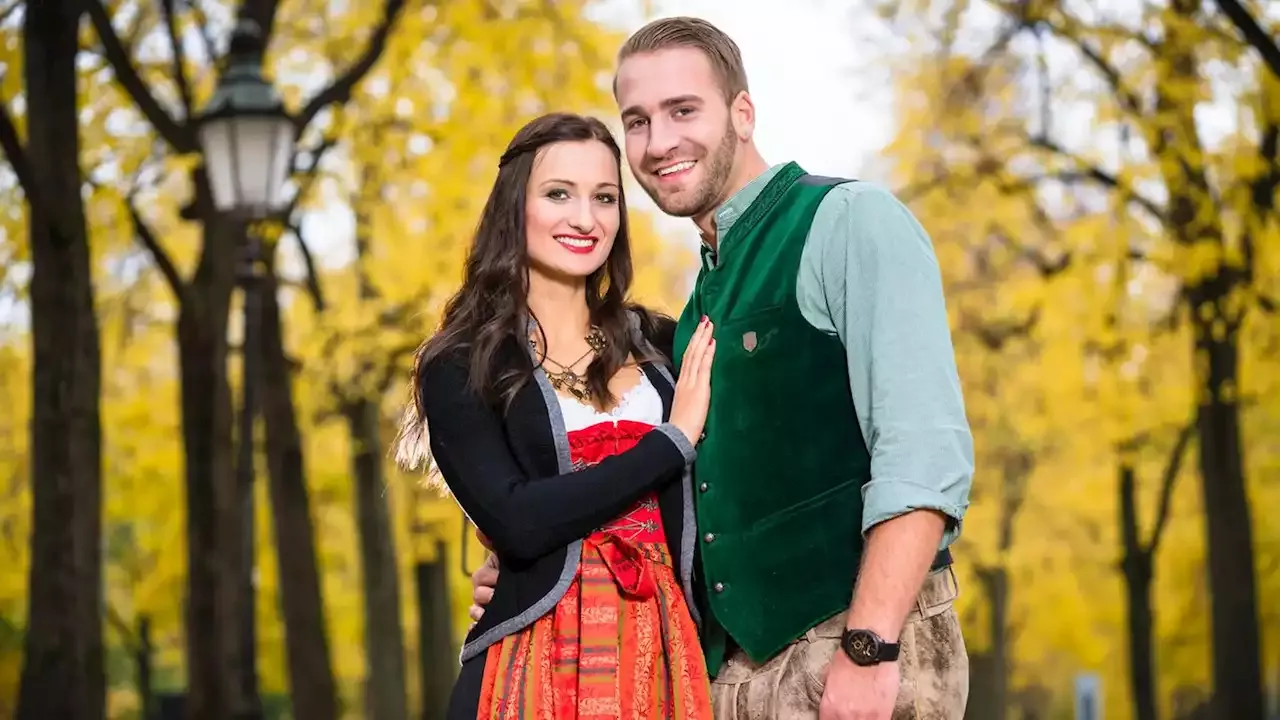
676 168
575 242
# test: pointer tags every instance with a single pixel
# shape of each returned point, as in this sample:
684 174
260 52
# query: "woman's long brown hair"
492 307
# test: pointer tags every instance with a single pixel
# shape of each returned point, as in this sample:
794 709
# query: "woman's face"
571 209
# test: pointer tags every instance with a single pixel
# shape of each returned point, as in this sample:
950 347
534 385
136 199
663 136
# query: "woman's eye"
558 194
606 198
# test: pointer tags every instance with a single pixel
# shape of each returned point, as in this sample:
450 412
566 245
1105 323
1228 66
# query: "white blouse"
641 403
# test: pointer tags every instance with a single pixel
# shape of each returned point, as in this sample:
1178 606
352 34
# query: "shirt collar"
732 209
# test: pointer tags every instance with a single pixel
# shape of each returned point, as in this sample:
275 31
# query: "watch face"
863 647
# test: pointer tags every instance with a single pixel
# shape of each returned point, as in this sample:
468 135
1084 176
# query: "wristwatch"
864 647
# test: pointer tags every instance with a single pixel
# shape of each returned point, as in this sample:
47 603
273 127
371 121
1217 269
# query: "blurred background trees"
1101 187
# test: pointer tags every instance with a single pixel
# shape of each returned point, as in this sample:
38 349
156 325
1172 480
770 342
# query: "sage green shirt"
869 276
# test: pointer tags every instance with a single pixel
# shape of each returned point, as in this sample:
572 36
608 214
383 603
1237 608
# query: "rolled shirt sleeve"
869 275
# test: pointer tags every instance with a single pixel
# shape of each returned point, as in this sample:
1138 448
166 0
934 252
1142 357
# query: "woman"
554 422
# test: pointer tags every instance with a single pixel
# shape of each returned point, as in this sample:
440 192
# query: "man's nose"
663 139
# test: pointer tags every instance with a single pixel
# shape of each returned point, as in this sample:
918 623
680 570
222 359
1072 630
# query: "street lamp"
246 134
248 142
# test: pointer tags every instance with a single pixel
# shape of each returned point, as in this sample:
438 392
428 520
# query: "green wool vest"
780 471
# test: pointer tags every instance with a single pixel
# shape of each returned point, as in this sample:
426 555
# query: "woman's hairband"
515 151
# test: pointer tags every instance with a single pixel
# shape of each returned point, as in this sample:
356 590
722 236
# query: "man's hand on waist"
483 580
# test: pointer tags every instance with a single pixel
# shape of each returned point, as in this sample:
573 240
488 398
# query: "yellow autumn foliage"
1073 347
1071 331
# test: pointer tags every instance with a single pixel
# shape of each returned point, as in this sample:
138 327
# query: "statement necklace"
566 378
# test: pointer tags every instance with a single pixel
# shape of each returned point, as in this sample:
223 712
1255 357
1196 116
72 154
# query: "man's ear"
742 113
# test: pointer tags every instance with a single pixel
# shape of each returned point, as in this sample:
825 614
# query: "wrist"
866 648
688 434
680 437
692 434
882 627
878 623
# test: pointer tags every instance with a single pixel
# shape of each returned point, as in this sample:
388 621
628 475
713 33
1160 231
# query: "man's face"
680 140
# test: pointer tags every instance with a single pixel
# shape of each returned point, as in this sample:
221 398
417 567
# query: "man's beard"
703 198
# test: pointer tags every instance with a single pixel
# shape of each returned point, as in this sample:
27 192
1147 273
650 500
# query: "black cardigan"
512 476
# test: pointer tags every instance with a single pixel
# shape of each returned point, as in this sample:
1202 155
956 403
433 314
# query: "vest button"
718 587
704 487
709 537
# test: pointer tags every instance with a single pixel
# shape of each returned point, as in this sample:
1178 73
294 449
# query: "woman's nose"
583 220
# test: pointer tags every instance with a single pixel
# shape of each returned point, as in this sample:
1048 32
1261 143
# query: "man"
837 458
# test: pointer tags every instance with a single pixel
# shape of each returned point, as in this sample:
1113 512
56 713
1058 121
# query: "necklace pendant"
596 340
567 378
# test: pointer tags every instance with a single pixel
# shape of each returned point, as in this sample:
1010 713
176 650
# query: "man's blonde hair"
696 33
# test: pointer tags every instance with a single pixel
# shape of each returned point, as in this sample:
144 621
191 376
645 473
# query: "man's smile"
676 170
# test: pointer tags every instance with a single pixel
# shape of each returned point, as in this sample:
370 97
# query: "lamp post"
248 141
246 134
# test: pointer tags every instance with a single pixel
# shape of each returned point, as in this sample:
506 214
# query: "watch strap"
889 651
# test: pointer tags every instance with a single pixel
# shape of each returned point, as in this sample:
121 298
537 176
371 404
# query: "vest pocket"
760 315
788 515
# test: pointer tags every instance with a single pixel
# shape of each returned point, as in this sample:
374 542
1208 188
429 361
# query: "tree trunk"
1138 569
62 673
246 471
385 683
214 514
1015 469
142 665
306 640
385 695
995 584
435 635
1237 656
1142 677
